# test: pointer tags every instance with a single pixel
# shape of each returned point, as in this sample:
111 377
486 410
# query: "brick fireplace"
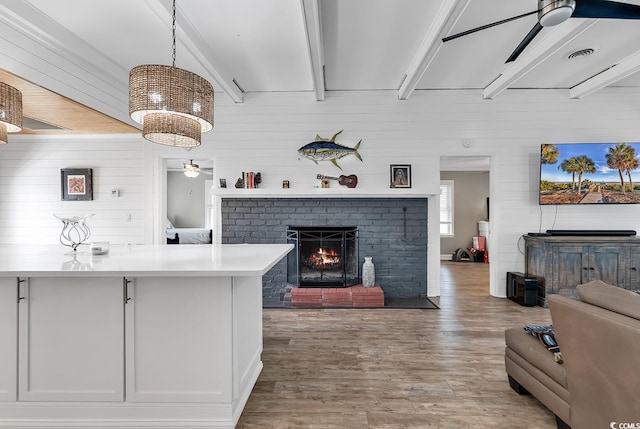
391 230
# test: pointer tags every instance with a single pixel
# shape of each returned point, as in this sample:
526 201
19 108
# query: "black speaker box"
522 289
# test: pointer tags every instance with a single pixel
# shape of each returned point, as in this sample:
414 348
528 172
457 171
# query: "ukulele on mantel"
349 181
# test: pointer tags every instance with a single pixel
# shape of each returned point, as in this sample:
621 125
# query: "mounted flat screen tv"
590 173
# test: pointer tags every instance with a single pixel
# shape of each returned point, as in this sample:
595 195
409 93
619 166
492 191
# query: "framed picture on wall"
76 184
400 176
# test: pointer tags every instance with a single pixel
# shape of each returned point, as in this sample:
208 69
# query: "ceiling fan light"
554 12
191 174
10 111
171 130
191 170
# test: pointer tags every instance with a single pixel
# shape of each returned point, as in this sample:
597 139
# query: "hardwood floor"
396 369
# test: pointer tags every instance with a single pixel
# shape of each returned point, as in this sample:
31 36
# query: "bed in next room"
188 235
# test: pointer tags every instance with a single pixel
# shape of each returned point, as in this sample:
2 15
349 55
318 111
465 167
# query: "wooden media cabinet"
563 262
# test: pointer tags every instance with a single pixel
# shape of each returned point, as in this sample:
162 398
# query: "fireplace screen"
323 256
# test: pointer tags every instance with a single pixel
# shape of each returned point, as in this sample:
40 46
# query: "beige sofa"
599 337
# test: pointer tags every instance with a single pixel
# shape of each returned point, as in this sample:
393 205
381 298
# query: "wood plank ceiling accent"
73 118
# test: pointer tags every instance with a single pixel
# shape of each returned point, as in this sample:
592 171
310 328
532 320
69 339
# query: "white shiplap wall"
264 133
30 187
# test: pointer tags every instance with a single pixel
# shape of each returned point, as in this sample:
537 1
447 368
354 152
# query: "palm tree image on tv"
549 154
589 173
622 158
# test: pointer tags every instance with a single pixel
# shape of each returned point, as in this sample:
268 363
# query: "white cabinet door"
178 339
8 338
71 334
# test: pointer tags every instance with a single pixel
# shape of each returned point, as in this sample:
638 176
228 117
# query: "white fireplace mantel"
320 193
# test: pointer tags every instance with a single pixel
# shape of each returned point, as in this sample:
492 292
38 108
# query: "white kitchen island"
149 336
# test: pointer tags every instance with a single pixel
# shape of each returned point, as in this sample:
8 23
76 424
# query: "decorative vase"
368 272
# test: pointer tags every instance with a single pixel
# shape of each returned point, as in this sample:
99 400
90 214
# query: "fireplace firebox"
324 256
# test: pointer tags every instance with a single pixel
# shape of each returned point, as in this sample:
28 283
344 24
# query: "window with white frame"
446 208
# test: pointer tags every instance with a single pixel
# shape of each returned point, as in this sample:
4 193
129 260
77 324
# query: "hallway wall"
470 192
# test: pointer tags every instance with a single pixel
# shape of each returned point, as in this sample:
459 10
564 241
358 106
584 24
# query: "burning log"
322 259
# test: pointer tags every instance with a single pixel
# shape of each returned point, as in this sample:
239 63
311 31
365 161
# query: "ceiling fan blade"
484 27
605 9
525 42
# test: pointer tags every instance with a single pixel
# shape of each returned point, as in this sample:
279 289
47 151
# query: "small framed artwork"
400 176
77 184
223 183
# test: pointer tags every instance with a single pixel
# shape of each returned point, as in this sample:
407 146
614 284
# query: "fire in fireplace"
322 259
323 256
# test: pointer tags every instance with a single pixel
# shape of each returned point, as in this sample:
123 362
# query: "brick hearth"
354 296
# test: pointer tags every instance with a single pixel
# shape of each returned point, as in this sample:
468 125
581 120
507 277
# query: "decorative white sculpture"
75 230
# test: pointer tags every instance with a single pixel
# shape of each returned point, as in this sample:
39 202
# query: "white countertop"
193 260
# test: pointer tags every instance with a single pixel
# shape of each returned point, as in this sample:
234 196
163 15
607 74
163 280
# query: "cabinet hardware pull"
634 268
125 284
20 294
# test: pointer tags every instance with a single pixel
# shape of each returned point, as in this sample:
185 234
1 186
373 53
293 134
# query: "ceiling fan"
192 170
554 12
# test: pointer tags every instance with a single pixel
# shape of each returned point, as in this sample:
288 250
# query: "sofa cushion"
535 353
612 298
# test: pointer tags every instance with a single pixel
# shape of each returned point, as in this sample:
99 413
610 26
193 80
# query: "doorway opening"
465 223
187 197
194 195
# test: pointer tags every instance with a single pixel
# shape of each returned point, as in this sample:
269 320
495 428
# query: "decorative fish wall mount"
322 149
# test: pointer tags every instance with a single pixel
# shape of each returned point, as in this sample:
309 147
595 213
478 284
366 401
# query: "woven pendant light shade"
171 130
10 111
3 134
167 90
173 105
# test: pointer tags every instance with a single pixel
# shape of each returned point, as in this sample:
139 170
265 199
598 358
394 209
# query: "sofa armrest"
601 352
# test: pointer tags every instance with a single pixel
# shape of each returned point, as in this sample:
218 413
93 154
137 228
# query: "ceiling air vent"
580 54
34 124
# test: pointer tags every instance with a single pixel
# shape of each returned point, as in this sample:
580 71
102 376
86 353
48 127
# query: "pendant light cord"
173 31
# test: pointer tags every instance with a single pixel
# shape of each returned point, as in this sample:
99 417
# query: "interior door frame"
491 239
160 158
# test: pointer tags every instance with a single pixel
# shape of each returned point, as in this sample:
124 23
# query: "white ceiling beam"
445 19
38 49
554 39
199 48
313 32
624 68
